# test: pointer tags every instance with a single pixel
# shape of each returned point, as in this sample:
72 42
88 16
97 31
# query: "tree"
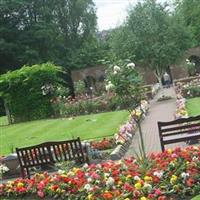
156 38
189 11
50 30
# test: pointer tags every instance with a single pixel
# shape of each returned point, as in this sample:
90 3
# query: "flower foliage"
171 173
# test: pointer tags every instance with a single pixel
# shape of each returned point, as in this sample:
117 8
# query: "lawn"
193 106
35 132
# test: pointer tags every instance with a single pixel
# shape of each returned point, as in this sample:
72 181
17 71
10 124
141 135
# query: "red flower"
162 198
128 187
190 182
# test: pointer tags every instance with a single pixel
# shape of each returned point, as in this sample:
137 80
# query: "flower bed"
181 111
169 174
190 88
104 144
127 130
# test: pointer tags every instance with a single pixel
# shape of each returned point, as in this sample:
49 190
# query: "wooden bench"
49 153
180 130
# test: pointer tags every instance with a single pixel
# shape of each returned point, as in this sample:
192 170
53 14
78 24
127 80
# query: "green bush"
29 91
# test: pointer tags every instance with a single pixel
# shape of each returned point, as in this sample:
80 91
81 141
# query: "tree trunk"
160 82
7 112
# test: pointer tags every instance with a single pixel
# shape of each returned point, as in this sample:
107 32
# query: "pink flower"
41 194
41 185
158 192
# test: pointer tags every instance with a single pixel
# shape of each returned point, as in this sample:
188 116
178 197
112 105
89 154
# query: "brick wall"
178 71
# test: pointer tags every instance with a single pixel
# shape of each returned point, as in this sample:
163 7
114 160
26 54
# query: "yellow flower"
119 183
75 169
169 151
58 190
128 177
127 199
148 178
138 113
138 186
20 185
90 197
143 198
173 179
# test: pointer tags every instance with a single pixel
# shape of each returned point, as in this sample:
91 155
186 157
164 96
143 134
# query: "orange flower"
107 195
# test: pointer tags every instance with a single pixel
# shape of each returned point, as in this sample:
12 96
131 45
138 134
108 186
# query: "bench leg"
23 173
27 172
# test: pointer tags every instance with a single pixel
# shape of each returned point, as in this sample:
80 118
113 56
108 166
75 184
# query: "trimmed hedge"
29 90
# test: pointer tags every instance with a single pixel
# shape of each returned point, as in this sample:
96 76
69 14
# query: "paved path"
159 111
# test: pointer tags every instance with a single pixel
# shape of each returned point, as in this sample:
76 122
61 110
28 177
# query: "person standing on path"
166 78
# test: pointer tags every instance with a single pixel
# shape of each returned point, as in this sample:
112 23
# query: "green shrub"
29 91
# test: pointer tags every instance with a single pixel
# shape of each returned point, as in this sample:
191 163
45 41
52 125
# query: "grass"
35 132
193 106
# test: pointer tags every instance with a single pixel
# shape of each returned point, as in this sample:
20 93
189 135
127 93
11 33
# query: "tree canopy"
152 36
39 31
189 11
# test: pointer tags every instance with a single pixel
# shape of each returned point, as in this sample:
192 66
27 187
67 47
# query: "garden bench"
180 130
49 153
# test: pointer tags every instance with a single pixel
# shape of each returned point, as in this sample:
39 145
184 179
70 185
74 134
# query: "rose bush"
173 173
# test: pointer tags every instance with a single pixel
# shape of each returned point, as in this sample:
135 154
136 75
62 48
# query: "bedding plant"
173 174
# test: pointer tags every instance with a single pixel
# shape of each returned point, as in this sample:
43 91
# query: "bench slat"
181 139
180 127
179 121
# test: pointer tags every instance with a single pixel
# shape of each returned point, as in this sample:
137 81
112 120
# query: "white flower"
3 169
115 72
147 186
89 180
195 159
184 175
106 174
187 60
116 68
61 171
109 86
87 187
85 166
158 174
110 181
132 65
136 178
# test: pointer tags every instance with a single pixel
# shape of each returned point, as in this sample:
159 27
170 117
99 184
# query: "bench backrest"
50 152
178 127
